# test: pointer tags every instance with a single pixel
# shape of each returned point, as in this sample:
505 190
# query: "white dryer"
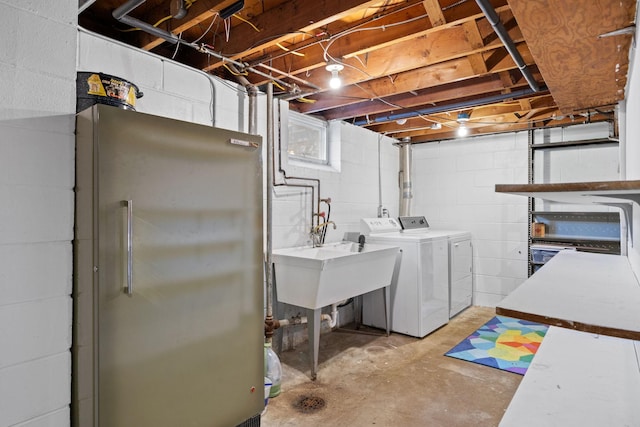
421 294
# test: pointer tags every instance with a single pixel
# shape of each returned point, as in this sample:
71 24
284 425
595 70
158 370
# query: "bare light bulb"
335 82
463 131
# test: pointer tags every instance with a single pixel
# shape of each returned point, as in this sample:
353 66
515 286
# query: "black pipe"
446 107
494 20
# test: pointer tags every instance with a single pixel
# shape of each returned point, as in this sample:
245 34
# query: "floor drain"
308 404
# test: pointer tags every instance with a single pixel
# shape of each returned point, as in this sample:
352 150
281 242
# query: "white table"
579 379
583 291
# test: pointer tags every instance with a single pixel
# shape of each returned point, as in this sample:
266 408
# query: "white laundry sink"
317 277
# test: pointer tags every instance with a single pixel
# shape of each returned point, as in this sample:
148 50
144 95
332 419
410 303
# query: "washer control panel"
378 225
413 222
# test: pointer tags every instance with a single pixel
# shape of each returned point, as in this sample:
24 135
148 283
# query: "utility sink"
317 277
313 278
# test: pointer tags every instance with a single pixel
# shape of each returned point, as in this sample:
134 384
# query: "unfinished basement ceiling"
410 67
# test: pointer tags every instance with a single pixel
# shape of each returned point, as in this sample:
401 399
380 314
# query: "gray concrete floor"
367 380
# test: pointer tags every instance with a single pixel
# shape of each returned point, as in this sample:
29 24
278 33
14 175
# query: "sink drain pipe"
301 320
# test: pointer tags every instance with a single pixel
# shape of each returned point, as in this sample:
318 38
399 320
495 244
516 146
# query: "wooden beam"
455 70
435 95
434 10
440 46
351 46
279 23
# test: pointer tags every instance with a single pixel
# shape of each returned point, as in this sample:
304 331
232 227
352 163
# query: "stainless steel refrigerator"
168 266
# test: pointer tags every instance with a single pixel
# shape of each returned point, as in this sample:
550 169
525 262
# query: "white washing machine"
421 294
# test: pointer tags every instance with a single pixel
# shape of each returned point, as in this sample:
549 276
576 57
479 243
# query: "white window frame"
329 130
315 127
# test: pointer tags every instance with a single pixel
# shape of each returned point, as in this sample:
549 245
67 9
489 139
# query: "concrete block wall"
354 193
37 82
354 190
454 187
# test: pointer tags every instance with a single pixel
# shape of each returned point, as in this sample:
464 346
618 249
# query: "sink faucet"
316 233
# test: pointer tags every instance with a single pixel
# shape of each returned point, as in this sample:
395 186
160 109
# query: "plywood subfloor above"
582 70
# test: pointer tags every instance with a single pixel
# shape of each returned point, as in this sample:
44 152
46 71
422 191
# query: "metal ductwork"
493 18
404 177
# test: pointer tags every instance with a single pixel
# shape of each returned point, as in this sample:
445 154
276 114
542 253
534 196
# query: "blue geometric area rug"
502 343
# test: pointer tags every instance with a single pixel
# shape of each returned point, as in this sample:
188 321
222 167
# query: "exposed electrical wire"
233 72
306 100
293 52
276 84
235 15
175 52
187 5
227 28
215 17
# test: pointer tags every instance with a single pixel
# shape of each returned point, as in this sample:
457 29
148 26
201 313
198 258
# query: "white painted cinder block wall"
37 83
454 187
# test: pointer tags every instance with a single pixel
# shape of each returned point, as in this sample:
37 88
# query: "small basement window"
309 142
307 139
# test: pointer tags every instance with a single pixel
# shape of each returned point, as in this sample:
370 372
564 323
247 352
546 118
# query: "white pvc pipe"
331 318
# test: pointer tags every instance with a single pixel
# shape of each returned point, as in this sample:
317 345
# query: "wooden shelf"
620 194
578 192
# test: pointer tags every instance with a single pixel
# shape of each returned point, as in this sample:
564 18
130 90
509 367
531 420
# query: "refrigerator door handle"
128 287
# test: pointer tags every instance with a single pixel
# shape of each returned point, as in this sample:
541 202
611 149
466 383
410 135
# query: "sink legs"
314 322
313 326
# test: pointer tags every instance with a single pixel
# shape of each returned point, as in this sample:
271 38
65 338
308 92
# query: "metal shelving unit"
597 232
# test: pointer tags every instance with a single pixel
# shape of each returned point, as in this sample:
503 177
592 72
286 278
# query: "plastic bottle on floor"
273 369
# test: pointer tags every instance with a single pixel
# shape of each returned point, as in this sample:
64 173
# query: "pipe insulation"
493 18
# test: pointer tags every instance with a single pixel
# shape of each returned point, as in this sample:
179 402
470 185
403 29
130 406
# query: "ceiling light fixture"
463 117
335 82
463 130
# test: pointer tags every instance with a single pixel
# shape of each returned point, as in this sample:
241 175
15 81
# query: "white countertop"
578 290
579 379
